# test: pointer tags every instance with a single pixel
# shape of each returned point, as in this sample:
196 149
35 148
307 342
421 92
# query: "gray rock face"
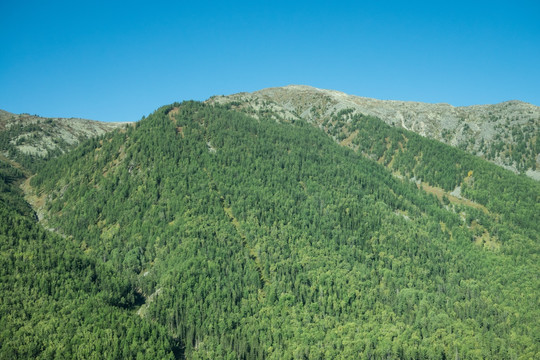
33 135
505 134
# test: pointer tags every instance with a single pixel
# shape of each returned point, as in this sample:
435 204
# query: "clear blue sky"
117 61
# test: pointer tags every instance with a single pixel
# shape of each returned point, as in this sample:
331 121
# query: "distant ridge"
28 139
505 133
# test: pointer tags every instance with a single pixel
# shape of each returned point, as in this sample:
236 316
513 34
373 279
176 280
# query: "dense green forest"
236 238
58 303
512 198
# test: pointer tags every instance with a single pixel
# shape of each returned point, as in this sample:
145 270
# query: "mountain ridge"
505 133
30 139
342 93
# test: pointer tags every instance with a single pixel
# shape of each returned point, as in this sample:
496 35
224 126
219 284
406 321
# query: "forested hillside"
414 157
58 303
506 133
246 238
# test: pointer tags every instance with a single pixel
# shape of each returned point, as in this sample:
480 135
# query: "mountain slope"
58 303
251 238
29 139
505 134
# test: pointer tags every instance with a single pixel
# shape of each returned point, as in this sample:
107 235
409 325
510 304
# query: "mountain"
56 302
506 134
29 139
230 236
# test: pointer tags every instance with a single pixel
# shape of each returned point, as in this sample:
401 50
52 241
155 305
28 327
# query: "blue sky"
117 61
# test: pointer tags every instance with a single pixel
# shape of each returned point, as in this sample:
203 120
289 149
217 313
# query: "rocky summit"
505 133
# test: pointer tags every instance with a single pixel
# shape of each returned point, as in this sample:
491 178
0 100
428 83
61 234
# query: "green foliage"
519 146
10 194
256 239
515 198
58 303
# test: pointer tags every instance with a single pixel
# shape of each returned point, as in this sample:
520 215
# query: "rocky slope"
28 138
505 134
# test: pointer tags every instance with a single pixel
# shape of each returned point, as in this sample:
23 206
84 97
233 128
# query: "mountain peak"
489 131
